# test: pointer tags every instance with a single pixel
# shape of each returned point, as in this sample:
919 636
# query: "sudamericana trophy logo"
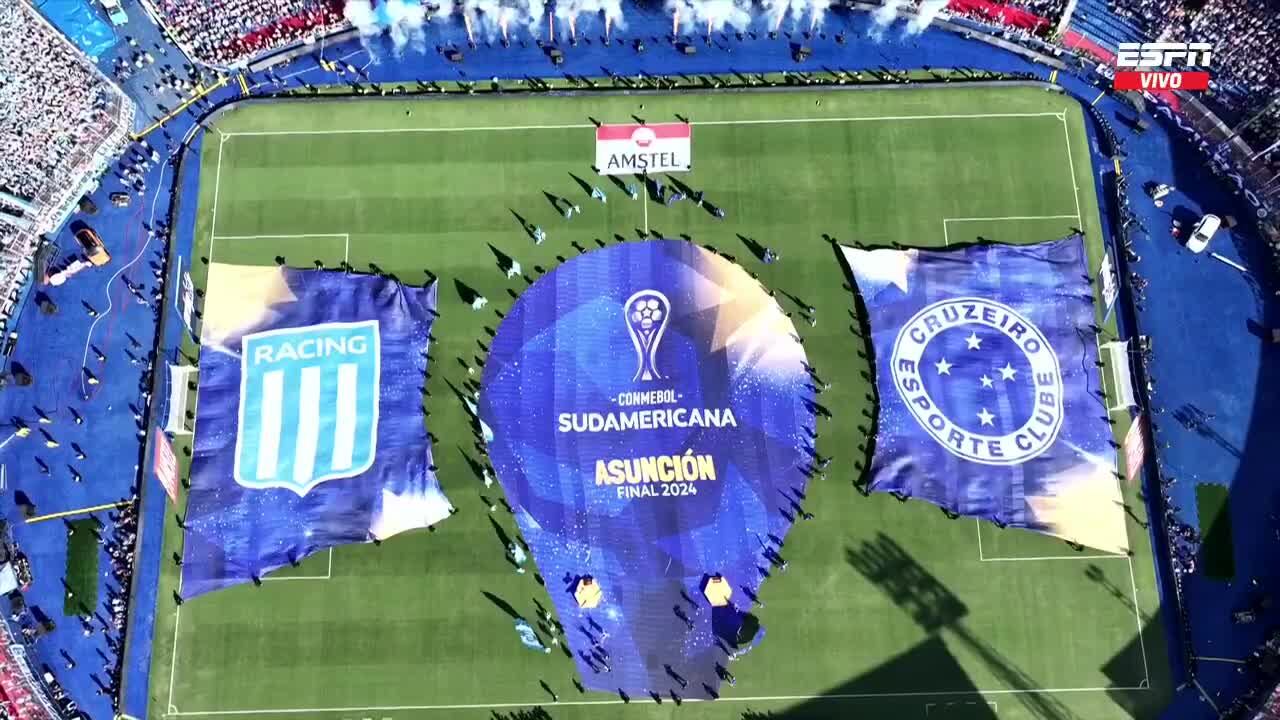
647 314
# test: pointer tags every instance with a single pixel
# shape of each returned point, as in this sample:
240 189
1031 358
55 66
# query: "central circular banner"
651 417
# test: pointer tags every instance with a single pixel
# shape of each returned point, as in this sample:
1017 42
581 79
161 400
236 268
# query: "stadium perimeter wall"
182 217
145 588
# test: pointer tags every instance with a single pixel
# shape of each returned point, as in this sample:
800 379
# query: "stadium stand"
228 33
61 123
1245 35
75 102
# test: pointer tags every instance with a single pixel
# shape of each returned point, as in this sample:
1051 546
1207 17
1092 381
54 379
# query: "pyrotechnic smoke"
611 10
697 16
405 19
777 11
885 16
925 14
401 19
494 18
887 13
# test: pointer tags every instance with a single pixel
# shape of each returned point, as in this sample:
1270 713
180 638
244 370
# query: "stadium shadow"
930 658
885 564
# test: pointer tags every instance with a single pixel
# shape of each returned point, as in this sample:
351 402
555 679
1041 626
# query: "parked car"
1203 232
115 13
92 246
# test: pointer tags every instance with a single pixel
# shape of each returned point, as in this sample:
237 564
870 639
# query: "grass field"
889 609
1217 552
82 568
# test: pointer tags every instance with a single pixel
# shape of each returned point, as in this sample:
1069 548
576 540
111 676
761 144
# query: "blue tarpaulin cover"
651 418
309 429
986 372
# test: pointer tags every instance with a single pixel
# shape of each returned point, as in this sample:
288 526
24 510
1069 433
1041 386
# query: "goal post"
177 421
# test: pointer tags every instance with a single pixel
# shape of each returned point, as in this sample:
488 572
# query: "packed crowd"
119 547
228 32
57 118
1245 35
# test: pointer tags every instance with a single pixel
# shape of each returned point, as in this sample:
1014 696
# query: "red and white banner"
1135 448
165 464
638 149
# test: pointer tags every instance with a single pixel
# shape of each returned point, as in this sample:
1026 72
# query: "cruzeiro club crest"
647 313
981 379
308 405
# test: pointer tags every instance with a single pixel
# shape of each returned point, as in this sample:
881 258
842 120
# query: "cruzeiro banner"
986 371
309 427
651 418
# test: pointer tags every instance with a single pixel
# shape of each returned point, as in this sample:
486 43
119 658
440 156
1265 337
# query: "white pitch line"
584 126
1012 217
1071 162
1057 557
346 240
217 183
946 236
1137 620
722 700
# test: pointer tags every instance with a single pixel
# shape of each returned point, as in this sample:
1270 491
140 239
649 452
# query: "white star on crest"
987 382
1007 372
973 341
944 367
986 418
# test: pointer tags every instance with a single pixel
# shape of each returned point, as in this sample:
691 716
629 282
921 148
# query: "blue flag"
309 429
986 371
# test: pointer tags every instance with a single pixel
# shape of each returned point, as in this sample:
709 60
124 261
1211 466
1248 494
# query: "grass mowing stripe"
1217 552
82 568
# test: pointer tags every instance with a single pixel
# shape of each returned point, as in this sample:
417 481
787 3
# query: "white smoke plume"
405 19
360 14
571 12
805 14
402 20
925 14
504 18
699 16
887 13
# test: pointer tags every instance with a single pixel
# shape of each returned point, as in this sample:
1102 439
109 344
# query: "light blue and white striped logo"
308 405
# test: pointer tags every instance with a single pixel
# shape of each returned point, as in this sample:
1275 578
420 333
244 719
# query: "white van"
1203 232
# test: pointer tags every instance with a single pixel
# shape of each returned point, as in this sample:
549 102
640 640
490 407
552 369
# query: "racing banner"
310 428
987 372
639 149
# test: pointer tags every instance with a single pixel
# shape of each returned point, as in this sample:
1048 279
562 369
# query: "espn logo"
308 405
1164 55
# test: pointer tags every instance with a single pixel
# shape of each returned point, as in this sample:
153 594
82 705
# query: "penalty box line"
722 700
346 240
946 237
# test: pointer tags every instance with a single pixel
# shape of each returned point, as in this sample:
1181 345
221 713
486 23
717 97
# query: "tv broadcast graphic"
395 360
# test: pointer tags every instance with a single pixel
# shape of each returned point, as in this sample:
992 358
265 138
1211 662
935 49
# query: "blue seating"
1094 19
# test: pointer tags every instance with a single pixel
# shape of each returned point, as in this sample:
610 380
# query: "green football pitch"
889 609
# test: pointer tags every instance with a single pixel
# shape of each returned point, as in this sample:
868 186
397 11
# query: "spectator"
229 32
